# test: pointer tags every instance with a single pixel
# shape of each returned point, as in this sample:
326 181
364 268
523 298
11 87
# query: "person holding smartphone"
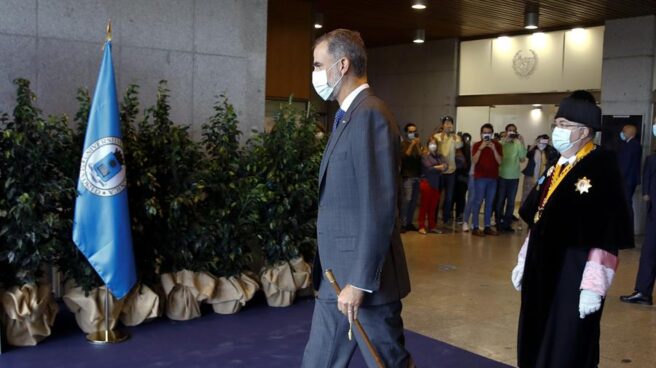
514 152
486 157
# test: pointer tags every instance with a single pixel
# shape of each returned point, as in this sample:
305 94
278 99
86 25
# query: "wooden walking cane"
358 326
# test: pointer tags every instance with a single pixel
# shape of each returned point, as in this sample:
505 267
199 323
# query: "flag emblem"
102 171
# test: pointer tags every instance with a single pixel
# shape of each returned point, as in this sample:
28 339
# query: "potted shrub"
233 200
33 218
287 160
175 229
144 302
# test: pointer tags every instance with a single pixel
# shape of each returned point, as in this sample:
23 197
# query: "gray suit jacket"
357 227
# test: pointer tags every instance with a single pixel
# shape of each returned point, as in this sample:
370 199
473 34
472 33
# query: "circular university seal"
524 62
102 171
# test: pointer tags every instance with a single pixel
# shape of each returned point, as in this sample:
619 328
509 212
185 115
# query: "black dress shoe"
637 298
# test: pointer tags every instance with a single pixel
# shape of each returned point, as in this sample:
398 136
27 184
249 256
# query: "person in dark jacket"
432 166
540 156
629 156
644 286
410 174
463 163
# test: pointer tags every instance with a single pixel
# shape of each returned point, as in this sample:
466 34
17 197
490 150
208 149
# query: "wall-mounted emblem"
524 62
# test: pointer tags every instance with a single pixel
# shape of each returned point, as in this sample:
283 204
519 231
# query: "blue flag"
101 228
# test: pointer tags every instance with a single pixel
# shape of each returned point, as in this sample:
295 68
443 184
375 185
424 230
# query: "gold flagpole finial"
108 33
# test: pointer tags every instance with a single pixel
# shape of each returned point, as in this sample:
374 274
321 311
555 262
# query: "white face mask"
542 146
432 147
561 137
320 83
653 129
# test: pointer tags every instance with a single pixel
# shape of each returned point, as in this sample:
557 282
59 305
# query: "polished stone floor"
462 295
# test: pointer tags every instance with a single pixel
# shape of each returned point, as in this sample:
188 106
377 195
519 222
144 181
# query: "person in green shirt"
514 152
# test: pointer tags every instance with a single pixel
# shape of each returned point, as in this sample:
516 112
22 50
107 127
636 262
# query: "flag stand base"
107 337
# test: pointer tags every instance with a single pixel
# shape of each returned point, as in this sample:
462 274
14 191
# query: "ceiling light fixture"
420 36
419 4
318 21
531 15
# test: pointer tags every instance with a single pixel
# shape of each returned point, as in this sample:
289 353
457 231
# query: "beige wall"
530 122
565 60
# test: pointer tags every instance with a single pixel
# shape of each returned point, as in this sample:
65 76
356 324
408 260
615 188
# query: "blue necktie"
338 117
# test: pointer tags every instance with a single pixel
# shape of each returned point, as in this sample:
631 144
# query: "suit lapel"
341 126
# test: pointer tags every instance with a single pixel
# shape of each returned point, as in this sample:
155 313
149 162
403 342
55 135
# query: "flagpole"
108 336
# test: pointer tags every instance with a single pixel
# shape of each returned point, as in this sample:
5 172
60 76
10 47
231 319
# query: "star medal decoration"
583 185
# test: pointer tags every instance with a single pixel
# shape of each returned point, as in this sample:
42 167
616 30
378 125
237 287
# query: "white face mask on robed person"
560 138
321 85
432 147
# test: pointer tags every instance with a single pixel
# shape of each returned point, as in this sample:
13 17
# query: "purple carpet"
258 336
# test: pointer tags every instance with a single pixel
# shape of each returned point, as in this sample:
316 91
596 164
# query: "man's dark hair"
488 126
446 118
543 136
510 125
408 126
348 44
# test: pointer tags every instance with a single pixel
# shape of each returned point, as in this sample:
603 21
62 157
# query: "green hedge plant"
234 197
37 191
286 161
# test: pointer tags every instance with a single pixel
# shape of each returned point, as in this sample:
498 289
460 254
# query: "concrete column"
628 80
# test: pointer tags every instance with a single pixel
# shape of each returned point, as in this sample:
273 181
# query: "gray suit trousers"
329 346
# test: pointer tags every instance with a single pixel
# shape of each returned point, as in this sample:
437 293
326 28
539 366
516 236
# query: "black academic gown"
551 334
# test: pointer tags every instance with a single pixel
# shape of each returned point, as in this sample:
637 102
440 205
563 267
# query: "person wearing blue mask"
357 223
411 152
644 285
578 220
629 156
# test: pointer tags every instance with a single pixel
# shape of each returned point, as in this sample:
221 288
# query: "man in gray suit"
357 225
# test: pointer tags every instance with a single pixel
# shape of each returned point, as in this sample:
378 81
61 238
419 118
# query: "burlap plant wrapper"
302 272
28 313
89 309
232 293
184 292
142 304
279 285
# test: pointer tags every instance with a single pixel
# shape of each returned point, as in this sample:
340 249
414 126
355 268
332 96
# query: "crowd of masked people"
464 174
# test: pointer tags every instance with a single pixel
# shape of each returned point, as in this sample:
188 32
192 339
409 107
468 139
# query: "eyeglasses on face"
566 124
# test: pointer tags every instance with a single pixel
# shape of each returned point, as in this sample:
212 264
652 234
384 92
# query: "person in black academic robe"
578 219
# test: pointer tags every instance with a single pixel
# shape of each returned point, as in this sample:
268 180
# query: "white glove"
589 302
517 275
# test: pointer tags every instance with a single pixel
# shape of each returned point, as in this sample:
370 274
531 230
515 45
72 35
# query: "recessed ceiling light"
318 21
420 36
419 4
